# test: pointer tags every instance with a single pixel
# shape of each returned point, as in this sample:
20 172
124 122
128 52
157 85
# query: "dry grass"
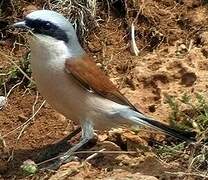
163 23
81 13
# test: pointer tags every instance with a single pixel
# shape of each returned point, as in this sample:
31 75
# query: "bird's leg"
87 135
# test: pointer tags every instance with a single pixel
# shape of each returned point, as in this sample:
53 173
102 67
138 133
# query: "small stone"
61 118
22 118
67 170
99 65
183 46
182 49
110 146
3 101
102 137
71 165
65 132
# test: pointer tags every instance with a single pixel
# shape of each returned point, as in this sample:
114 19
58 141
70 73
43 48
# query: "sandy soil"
173 60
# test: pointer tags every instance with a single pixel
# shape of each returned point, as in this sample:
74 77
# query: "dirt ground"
173 40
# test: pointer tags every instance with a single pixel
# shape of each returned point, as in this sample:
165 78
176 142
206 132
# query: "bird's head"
47 24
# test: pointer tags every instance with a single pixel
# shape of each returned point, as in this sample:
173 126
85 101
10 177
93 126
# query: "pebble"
3 101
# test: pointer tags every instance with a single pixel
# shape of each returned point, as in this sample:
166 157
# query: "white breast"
48 68
61 90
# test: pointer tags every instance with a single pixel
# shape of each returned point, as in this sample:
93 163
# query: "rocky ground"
172 38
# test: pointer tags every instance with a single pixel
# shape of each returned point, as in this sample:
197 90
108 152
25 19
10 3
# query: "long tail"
141 119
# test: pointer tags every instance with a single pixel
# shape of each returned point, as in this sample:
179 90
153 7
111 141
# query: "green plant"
170 151
189 113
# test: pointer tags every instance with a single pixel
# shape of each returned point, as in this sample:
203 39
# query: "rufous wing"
90 77
85 71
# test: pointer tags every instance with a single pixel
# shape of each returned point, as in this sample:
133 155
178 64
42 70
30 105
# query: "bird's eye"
47 26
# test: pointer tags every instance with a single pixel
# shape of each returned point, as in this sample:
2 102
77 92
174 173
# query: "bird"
74 85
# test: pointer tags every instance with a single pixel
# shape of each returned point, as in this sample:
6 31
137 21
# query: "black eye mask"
46 27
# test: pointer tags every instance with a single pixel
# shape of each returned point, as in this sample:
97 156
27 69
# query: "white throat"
46 48
48 57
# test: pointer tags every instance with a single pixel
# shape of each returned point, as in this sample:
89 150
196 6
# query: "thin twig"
10 58
94 155
22 125
34 104
134 47
14 87
190 45
2 142
89 152
7 95
32 119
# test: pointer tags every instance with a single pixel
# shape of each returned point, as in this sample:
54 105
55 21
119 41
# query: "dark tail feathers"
168 130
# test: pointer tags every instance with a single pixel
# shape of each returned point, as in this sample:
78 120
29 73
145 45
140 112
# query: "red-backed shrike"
72 83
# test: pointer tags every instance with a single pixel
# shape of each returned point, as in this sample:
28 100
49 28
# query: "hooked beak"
20 24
